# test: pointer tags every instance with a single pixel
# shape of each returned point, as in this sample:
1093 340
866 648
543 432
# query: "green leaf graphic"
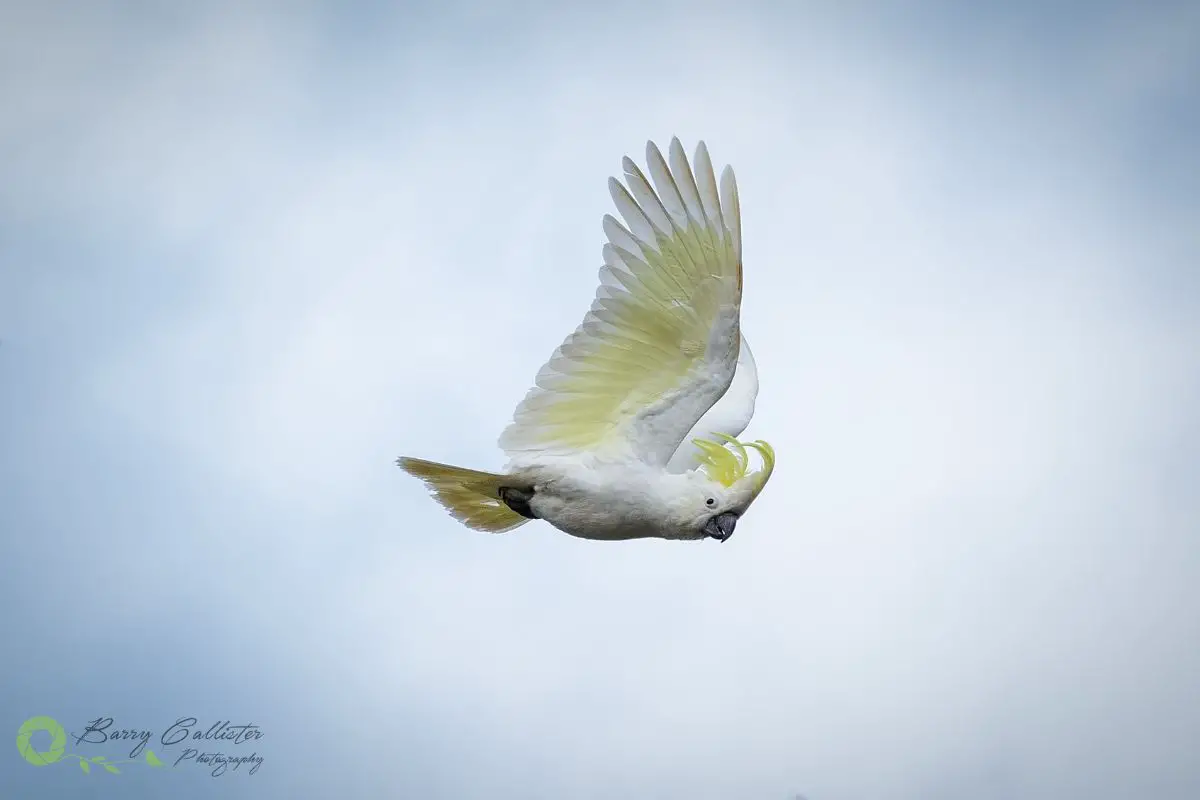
112 769
85 766
97 759
152 759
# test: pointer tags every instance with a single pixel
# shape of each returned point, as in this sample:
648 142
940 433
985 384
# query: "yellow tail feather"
471 497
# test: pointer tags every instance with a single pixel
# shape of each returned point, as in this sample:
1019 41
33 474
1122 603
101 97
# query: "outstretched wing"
660 343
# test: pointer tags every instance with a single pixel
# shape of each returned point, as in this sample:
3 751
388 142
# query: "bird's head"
727 485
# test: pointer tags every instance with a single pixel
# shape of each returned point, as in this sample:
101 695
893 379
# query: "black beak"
721 526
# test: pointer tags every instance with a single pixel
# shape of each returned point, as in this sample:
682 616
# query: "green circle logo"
58 743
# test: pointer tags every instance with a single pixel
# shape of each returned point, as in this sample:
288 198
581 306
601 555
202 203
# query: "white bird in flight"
629 430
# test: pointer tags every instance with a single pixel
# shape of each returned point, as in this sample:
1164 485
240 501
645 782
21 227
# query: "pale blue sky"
251 253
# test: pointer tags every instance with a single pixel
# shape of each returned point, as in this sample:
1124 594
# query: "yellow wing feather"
660 343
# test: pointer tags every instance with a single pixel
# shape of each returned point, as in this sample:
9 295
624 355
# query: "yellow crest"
727 467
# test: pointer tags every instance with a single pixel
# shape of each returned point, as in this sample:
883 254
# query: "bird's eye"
710 502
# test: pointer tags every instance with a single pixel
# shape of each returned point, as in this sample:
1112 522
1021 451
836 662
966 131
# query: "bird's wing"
729 417
660 343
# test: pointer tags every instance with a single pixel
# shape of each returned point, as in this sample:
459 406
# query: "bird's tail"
471 497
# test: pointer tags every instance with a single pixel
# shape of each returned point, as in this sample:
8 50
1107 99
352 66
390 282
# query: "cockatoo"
629 430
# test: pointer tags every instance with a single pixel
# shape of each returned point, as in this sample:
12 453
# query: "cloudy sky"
250 253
